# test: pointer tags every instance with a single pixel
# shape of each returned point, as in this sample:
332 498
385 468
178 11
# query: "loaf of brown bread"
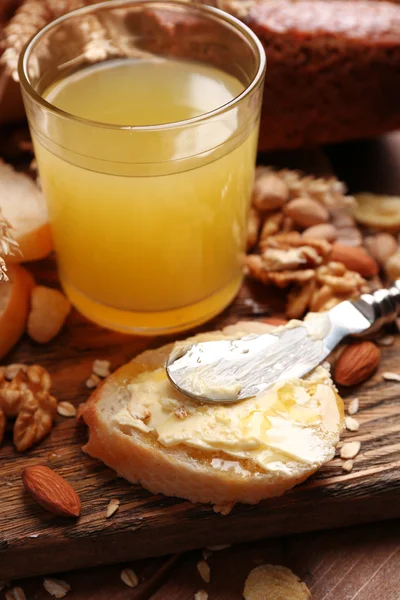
333 70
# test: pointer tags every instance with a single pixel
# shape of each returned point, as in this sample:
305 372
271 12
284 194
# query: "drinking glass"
148 219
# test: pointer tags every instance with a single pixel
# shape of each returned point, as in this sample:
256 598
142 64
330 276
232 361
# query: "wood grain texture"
358 563
147 525
33 541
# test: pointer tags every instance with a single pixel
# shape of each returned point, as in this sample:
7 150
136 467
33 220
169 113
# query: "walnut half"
26 397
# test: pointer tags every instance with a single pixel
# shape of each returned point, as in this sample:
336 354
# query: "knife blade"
230 370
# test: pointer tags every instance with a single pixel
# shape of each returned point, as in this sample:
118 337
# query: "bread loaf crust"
333 70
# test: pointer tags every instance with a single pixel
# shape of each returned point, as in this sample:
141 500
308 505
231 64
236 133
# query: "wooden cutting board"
33 541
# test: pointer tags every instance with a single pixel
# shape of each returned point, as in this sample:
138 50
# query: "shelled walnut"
25 397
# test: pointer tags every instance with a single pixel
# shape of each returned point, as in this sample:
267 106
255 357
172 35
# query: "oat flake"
66 409
387 340
129 577
389 376
350 450
353 406
93 381
112 507
204 569
347 466
351 424
16 593
56 587
101 367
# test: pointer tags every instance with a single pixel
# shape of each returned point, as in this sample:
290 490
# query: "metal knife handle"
381 307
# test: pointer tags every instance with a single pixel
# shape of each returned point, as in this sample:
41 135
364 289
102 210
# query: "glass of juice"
144 118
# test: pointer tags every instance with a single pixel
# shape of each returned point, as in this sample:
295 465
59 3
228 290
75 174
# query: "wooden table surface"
358 563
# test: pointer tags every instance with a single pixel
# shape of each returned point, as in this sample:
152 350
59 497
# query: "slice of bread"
185 469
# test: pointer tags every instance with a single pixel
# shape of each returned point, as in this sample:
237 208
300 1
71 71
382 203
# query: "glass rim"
205 9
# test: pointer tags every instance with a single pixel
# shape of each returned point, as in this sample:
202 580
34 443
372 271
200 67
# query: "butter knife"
227 371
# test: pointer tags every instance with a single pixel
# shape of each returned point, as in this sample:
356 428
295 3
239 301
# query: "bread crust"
172 471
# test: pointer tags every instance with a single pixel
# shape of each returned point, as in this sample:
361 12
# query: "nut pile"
303 237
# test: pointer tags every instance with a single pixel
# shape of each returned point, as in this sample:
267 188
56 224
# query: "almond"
357 363
49 310
306 212
355 259
51 491
324 231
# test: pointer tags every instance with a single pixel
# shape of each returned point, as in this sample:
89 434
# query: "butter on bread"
141 427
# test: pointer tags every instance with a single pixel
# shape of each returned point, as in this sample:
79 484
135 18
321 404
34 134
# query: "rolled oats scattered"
350 450
204 569
129 577
56 587
66 409
112 507
101 367
387 340
201 595
352 407
93 381
16 593
389 376
351 424
347 466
